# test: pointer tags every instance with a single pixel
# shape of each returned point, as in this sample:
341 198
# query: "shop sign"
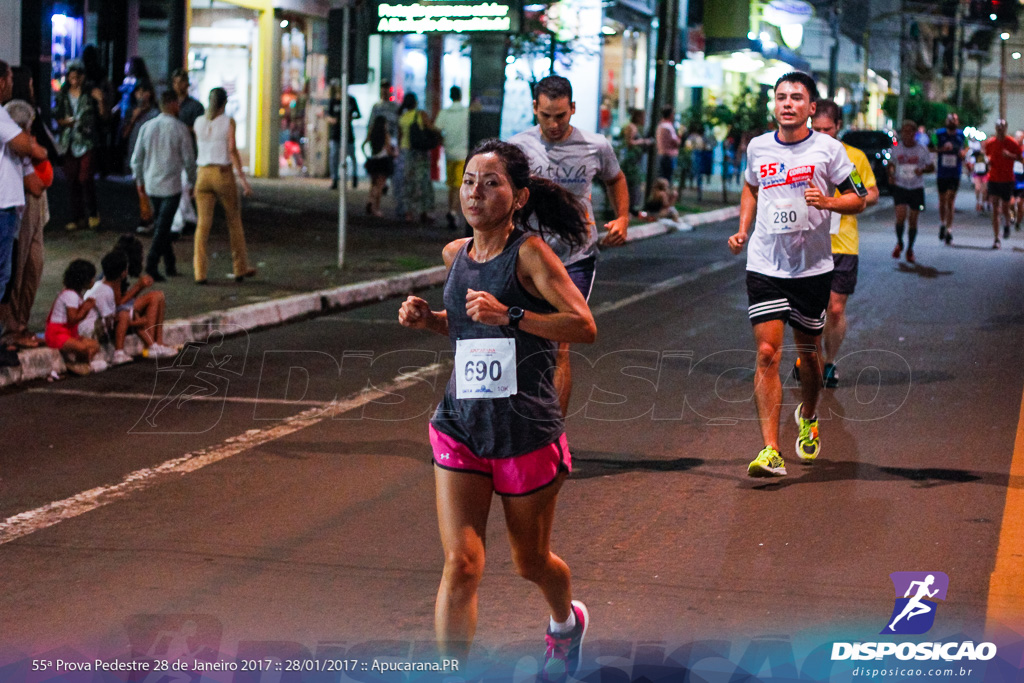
448 16
783 12
701 73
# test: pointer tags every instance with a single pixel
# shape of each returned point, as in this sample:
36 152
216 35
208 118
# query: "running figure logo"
914 612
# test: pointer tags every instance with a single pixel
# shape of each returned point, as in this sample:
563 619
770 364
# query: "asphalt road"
271 495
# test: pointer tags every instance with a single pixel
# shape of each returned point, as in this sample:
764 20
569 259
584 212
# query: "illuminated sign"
449 16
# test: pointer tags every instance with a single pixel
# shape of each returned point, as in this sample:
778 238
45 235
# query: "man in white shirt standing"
563 153
453 123
17 151
163 152
786 213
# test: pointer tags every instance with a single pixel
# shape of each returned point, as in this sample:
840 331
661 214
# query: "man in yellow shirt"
828 119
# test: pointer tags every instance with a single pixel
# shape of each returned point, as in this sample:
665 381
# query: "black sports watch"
515 314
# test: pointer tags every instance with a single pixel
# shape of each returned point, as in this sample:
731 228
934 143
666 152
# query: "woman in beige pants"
215 137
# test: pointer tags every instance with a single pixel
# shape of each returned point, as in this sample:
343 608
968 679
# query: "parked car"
878 146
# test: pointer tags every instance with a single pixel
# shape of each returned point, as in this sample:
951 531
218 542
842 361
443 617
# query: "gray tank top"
527 420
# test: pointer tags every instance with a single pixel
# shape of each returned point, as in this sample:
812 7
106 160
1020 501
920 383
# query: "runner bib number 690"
485 368
787 215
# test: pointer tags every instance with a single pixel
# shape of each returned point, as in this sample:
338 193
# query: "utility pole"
343 144
833 58
664 77
1002 75
958 41
901 106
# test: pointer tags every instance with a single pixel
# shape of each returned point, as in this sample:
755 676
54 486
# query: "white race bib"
833 226
1018 167
906 173
949 160
787 215
485 368
980 168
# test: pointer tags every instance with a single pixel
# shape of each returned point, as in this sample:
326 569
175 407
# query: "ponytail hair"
559 212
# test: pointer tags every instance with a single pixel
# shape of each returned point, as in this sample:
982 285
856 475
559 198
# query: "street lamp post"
343 143
1003 37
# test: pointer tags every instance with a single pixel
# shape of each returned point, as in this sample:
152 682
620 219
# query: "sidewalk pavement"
291 227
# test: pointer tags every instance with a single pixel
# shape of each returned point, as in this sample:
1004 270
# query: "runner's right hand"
414 313
736 242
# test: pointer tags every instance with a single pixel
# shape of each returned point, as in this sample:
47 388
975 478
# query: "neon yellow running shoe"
768 463
808 444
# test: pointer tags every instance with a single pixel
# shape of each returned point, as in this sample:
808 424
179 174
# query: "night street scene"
459 341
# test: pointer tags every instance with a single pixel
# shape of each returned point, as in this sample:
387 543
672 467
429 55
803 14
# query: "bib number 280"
784 217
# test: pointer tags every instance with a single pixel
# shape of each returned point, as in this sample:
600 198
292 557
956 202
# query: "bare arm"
24 145
872 197
77 315
748 211
543 275
415 312
618 190
34 186
847 203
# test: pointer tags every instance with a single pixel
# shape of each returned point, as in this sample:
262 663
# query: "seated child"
115 320
66 313
150 304
661 202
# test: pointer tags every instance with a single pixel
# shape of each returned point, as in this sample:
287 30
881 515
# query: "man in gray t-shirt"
559 151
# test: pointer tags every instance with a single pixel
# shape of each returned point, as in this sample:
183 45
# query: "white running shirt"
791 239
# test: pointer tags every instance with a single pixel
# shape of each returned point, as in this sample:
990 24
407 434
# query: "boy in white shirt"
117 318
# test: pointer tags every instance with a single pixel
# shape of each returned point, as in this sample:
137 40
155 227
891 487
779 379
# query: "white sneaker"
120 358
97 365
161 351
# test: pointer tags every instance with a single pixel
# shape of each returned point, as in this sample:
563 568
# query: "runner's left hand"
814 197
616 232
482 307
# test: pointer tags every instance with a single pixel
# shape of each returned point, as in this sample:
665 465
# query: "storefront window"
66 44
222 49
294 97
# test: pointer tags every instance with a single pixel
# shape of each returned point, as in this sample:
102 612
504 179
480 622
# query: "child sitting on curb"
661 202
66 313
146 318
132 298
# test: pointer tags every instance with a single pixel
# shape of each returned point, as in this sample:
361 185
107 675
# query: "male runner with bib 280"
785 213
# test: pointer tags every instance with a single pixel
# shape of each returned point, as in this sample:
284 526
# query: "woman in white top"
215 137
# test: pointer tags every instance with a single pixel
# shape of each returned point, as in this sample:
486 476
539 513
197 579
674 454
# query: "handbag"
423 138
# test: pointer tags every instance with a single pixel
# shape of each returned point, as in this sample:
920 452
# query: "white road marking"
50 514
129 396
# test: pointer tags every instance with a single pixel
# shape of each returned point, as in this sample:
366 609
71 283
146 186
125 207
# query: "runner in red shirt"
1001 151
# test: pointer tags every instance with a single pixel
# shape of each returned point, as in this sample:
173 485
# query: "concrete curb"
43 362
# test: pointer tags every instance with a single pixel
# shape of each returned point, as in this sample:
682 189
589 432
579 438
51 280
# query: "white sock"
566 626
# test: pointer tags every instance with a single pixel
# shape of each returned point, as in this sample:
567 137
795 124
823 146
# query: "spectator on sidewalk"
77 114
334 119
215 135
67 312
634 148
189 109
117 312
144 108
17 151
668 142
453 123
27 257
388 108
417 192
163 152
380 162
661 202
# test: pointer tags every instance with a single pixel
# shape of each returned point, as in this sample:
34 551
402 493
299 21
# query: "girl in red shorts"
508 301
67 311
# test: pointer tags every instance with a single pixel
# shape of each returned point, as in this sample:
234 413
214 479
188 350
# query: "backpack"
422 138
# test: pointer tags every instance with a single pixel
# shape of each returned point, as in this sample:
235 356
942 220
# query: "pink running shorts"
518 476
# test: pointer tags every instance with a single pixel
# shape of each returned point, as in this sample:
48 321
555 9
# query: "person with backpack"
417 137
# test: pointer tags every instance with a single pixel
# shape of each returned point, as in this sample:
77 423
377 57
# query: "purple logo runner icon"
916 595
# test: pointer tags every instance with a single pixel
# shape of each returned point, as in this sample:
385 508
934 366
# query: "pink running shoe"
565 650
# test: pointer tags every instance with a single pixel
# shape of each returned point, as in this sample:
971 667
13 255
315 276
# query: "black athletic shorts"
948 184
1002 190
914 198
799 301
844 274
